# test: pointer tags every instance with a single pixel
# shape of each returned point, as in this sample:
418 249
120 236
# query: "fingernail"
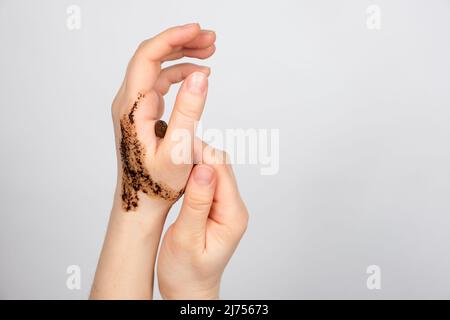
203 175
206 70
196 83
208 31
189 25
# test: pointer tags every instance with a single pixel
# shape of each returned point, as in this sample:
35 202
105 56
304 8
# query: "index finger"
144 67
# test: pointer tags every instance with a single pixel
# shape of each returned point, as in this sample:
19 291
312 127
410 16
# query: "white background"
364 140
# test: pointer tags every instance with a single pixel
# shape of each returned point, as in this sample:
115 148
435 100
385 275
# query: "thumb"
198 198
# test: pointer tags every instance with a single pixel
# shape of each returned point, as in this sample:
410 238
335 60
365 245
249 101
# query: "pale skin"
199 244
213 218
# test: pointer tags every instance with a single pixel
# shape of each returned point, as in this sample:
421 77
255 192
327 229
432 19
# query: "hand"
199 244
148 176
148 180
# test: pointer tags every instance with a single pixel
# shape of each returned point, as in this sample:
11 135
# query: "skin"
127 261
199 244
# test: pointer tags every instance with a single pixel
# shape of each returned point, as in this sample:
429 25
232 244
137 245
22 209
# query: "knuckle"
242 223
197 202
189 109
245 221
142 45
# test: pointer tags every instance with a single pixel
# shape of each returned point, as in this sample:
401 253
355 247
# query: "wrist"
148 216
191 296
191 292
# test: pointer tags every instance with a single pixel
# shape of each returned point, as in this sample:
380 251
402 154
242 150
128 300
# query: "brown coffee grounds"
135 176
160 128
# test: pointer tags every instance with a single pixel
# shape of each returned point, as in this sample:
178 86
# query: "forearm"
126 265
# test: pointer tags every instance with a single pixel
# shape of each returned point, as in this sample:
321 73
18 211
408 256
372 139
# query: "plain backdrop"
363 114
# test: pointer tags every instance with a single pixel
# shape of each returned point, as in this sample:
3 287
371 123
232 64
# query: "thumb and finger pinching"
198 199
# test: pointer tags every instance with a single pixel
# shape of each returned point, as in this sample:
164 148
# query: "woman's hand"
199 244
149 181
148 174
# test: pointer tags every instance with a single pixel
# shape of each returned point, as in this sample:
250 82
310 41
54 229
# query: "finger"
165 43
188 108
198 198
175 74
145 65
205 39
192 53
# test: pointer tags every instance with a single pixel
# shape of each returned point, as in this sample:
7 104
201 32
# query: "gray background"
364 140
